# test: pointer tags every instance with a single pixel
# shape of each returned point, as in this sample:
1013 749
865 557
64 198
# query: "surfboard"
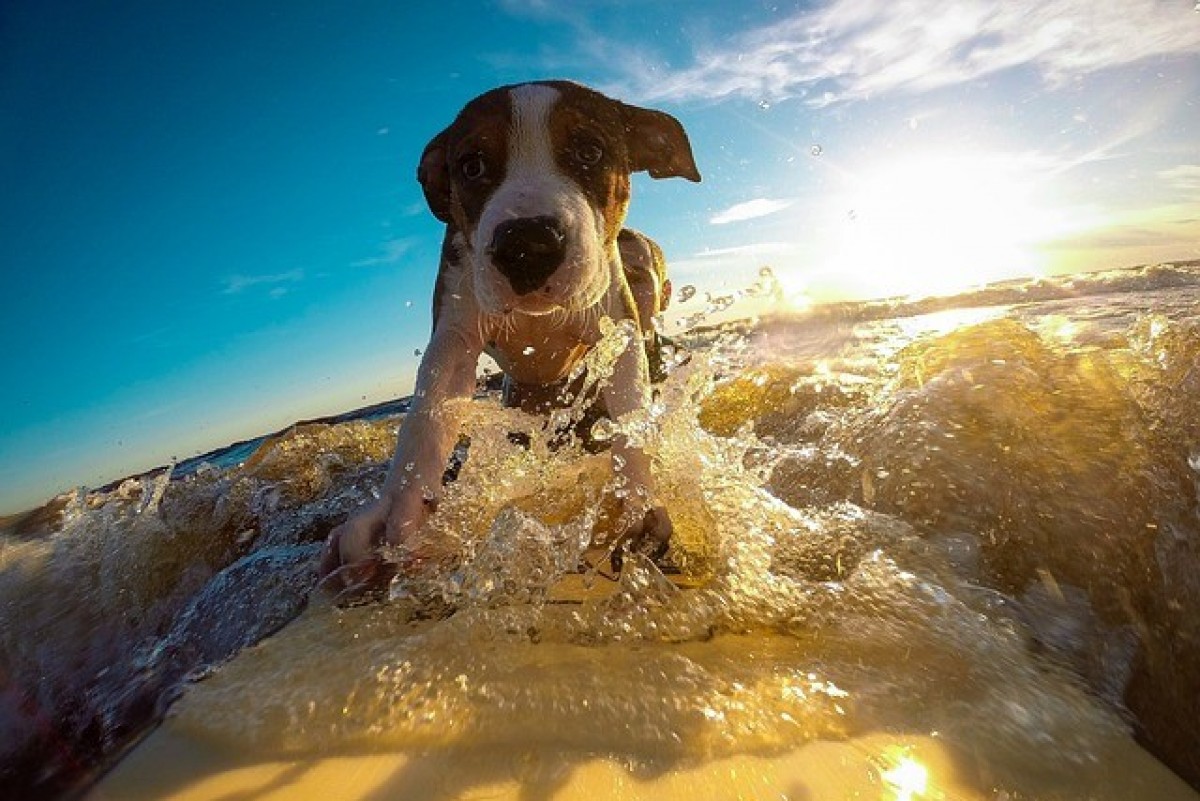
242 732
173 764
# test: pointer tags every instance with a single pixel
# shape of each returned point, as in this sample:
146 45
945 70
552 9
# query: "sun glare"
908 778
935 226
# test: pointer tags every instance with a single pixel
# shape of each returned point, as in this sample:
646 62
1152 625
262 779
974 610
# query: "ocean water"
977 517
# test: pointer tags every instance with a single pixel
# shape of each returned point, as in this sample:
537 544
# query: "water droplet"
603 430
816 150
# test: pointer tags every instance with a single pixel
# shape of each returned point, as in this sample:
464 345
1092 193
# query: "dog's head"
536 178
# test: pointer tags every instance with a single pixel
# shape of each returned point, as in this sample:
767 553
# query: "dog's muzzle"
527 251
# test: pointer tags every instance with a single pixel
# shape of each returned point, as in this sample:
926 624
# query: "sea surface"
976 517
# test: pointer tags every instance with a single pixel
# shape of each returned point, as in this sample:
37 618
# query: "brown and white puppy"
533 183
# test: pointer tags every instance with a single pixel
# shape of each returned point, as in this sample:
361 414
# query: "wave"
838 486
1144 279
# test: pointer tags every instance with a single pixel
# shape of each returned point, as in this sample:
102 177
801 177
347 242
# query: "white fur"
534 186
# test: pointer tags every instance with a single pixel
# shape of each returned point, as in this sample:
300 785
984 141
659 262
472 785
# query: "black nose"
527 251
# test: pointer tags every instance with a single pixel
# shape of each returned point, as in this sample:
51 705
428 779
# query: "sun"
934 225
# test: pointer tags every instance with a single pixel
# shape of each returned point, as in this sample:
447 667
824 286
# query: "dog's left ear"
658 144
434 175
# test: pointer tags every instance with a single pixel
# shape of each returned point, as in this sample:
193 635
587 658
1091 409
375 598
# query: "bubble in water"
686 293
816 150
603 430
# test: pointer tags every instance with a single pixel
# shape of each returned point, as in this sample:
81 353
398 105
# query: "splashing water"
983 530
789 622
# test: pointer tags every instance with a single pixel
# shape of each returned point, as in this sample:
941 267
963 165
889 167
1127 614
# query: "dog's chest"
539 350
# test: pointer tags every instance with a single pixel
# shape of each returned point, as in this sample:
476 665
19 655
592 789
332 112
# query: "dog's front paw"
353 568
650 536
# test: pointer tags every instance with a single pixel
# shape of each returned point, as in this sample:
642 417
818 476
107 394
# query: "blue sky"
209 225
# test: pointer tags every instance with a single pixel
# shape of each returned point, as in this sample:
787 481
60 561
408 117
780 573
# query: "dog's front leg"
351 562
645 523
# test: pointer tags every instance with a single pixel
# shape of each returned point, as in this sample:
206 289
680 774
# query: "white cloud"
1185 177
739 263
851 48
749 210
391 252
752 250
414 209
239 283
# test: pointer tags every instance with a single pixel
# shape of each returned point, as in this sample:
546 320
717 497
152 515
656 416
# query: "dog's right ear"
658 144
434 175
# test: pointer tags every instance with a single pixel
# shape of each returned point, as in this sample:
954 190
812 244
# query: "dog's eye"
472 166
589 153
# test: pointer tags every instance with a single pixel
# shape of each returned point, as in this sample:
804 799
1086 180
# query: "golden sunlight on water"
808 653
944 322
876 554
908 777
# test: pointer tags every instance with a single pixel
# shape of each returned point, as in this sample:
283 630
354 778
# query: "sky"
210 225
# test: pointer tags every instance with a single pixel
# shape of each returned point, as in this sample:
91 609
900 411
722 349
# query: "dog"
532 182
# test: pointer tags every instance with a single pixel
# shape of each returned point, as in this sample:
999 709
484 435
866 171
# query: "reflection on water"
967 526
907 777
943 322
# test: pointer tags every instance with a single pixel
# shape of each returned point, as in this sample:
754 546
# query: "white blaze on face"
535 186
